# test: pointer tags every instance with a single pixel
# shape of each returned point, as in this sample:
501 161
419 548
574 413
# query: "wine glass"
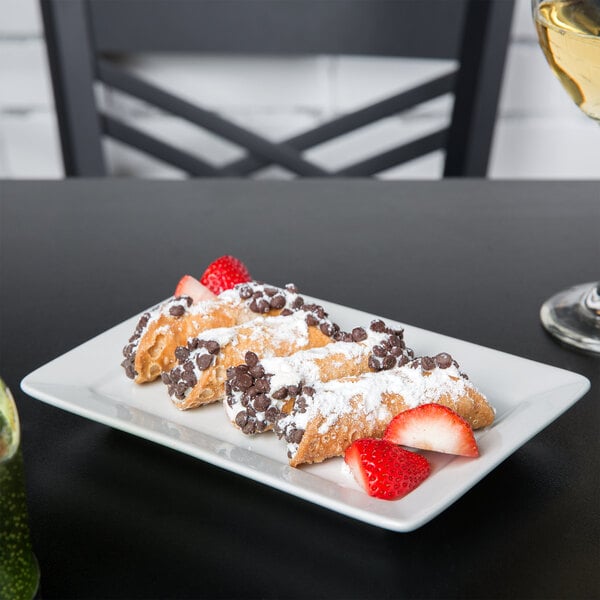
569 35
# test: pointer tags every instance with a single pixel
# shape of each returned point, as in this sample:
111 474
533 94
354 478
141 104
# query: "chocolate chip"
293 390
177 310
251 392
277 302
327 328
129 369
241 418
298 302
262 385
379 351
396 341
204 361
165 378
190 378
311 320
317 310
294 436
286 312
427 363
269 291
245 292
307 390
249 428
272 414
242 382
280 394
261 426
378 326
389 362
359 334
261 403
181 354
300 404
443 360
251 359
213 347
374 363
264 306
143 320
257 371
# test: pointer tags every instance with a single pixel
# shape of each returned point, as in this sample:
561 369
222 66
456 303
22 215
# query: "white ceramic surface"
527 396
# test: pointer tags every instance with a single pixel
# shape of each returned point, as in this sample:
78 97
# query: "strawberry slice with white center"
385 470
190 286
433 427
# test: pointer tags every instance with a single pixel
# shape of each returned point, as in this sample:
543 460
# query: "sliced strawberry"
190 286
224 273
433 427
385 470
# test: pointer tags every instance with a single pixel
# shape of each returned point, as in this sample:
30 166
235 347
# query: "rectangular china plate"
527 396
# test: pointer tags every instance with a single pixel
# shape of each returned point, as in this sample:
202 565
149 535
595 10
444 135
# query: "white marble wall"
539 133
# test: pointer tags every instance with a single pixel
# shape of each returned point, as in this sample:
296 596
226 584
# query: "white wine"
569 35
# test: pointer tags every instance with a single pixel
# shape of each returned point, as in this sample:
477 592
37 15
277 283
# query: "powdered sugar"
303 367
363 396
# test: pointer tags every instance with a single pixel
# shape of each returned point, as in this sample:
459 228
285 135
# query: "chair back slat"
396 156
412 28
167 153
71 61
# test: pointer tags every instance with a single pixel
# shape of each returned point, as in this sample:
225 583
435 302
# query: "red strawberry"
433 427
224 273
385 470
190 286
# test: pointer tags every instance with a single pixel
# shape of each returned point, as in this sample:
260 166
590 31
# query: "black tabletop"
116 516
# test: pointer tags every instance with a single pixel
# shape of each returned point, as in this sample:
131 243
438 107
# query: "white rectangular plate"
527 396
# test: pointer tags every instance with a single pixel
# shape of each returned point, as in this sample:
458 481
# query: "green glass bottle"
19 571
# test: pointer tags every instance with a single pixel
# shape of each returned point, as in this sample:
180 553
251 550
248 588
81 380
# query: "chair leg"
65 25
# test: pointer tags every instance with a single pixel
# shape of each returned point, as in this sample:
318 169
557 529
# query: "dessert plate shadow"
527 396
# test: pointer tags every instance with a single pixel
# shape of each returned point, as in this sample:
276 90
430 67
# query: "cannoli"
256 395
201 373
151 349
327 417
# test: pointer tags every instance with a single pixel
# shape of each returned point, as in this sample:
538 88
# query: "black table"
113 515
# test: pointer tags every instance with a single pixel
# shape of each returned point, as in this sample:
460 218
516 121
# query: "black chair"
85 38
